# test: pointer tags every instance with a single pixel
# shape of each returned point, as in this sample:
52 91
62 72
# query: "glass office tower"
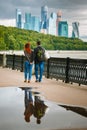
75 30
59 18
35 23
44 16
63 28
27 24
18 18
51 24
32 22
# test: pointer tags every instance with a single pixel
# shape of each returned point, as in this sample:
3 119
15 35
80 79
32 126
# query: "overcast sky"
72 10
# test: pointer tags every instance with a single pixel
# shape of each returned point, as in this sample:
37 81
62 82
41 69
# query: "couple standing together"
35 57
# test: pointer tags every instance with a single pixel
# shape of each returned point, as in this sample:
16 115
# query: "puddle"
26 108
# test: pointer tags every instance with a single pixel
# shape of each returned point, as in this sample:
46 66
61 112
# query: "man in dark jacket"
39 109
39 59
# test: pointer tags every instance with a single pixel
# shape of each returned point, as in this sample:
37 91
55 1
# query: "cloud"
8 22
7 8
72 10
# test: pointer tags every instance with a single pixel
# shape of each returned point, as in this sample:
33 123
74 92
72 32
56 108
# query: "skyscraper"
18 18
32 22
75 30
27 17
63 28
44 17
27 24
51 24
59 18
35 23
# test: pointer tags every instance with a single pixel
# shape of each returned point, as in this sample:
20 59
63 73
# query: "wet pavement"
52 89
26 108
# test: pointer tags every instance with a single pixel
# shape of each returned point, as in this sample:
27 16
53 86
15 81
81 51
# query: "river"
57 53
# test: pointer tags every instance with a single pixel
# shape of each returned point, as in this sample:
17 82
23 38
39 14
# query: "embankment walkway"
51 89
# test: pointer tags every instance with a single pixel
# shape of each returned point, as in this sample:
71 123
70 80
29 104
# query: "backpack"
40 54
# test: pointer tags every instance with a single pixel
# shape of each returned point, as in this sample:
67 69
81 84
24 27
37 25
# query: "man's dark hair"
38 121
38 42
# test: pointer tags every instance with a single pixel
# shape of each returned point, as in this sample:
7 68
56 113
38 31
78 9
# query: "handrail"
66 69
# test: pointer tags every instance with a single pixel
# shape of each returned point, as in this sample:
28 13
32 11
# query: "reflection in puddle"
34 105
25 108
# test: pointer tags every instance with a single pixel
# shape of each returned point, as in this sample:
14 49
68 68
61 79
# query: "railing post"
48 61
4 60
67 70
22 61
13 66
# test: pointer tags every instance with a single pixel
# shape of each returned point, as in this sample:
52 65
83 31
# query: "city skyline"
72 11
48 25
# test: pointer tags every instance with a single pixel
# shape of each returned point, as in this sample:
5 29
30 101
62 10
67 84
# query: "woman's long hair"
27 48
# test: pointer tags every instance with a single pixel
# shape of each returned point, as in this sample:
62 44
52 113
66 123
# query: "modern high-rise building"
18 18
63 28
59 18
32 22
27 24
51 24
35 23
44 17
44 13
27 17
75 30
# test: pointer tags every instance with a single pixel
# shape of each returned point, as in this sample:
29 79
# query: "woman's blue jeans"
28 97
27 70
39 67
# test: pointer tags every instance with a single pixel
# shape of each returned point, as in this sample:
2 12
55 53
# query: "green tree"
15 38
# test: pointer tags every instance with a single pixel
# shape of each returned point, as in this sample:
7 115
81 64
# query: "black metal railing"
56 68
66 69
1 59
78 71
15 62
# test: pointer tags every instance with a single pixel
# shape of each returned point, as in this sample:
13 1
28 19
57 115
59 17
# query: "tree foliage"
12 38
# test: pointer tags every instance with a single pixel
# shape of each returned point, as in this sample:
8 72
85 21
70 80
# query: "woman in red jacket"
28 64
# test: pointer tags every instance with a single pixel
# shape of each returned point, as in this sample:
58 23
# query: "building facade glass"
35 23
51 24
59 18
32 22
44 17
18 18
75 30
27 24
63 28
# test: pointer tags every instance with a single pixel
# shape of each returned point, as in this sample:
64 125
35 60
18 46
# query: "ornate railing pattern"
66 69
15 62
78 71
56 68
